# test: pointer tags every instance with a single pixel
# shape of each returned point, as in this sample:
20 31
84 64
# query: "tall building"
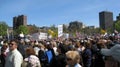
20 20
118 17
106 20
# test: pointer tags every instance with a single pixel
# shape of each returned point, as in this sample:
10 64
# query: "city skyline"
49 12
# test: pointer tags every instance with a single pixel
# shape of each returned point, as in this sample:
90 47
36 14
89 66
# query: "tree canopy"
117 25
32 29
22 29
3 28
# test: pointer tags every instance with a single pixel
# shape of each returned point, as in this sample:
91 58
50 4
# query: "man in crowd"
14 57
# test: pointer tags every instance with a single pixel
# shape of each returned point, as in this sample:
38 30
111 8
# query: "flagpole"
8 34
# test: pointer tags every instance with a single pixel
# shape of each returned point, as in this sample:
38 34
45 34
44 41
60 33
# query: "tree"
109 30
75 26
117 25
22 29
97 30
3 28
65 28
32 29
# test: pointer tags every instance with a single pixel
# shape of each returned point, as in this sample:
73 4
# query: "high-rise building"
106 20
118 17
20 20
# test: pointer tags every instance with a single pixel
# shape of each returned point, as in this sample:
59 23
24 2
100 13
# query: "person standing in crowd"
98 58
41 55
36 47
32 60
4 51
73 59
21 48
60 59
14 57
112 56
87 54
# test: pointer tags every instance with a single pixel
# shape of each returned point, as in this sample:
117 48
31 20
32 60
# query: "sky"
49 12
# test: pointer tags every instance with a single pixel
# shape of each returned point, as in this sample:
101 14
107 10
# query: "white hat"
21 35
48 43
2 42
113 51
27 40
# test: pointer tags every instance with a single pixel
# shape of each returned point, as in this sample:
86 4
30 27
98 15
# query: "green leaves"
23 29
117 25
3 28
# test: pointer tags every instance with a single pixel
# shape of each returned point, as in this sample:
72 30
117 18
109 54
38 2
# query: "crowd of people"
94 51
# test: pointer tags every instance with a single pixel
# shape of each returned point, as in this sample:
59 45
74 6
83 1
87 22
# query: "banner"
60 30
42 35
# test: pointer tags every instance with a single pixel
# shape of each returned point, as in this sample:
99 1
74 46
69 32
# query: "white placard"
60 30
43 35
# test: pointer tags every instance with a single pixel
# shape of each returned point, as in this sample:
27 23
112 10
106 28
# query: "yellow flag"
103 31
51 32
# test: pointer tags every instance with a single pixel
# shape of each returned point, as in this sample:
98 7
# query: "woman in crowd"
32 60
73 59
4 51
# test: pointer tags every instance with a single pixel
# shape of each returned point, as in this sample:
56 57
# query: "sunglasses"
11 44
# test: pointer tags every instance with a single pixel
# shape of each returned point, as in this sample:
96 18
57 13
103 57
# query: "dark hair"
14 40
30 51
63 48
